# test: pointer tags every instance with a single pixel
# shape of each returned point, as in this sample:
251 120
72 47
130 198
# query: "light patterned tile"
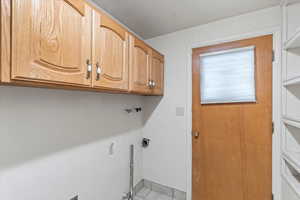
138 198
139 187
148 184
162 189
179 195
164 197
153 196
143 192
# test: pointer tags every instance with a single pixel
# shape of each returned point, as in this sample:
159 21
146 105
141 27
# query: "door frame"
276 85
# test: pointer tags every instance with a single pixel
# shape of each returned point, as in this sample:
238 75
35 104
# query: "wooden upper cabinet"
110 54
51 41
69 44
157 73
140 56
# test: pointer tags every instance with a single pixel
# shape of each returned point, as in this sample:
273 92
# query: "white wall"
54 144
166 161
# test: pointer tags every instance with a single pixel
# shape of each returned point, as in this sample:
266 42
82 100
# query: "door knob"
196 135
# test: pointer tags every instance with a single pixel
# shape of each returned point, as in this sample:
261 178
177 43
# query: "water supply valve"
145 142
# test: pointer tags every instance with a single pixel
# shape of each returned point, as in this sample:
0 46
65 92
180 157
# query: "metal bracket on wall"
136 109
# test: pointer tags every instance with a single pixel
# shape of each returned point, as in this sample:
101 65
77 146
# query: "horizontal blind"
228 76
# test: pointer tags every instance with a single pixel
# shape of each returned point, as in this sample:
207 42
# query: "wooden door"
157 73
232 143
111 54
140 56
51 41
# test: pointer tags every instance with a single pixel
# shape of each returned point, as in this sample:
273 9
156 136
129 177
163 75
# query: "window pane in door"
228 76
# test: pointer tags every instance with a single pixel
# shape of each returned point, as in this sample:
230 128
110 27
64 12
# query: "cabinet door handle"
89 69
98 71
150 84
153 84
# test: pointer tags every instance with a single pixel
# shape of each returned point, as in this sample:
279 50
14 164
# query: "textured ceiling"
151 18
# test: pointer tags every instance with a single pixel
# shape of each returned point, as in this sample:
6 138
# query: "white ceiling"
151 18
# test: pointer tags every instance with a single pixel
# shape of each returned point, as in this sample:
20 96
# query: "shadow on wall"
294 133
150 105
294 89
296 52
38 122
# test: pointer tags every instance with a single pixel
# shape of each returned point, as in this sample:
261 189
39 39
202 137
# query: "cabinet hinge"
273 56
273 128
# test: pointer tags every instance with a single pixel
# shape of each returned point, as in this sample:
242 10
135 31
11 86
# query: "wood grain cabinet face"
140 66
110 54
68 44
157 73
51 41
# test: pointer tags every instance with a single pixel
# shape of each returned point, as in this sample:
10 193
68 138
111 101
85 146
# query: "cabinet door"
157 74
140 66
51 41
110 55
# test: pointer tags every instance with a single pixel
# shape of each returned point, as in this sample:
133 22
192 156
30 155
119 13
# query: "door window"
228 76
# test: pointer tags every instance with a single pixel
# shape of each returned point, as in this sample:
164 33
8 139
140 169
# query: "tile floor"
147 194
